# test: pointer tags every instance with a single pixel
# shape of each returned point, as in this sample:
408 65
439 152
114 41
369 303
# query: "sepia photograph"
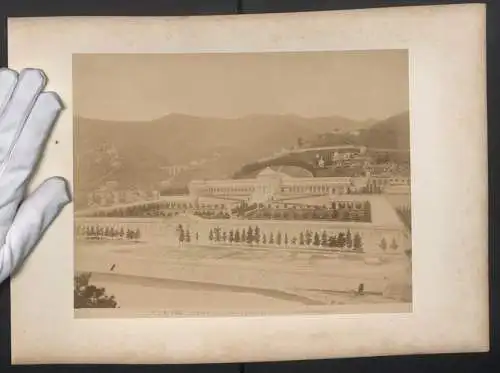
240 183
267 183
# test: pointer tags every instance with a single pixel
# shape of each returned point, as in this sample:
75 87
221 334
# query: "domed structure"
268 185
266 172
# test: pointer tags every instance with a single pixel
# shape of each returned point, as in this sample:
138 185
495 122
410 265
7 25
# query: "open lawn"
237 279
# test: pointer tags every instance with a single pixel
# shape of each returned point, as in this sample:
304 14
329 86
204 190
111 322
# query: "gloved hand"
26 118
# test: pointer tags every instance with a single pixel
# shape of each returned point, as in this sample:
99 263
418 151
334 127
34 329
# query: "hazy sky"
358 85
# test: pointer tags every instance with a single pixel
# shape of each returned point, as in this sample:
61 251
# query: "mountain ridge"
142 154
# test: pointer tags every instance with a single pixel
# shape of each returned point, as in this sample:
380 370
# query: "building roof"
268 171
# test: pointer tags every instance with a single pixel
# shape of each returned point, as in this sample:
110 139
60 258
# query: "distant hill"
391 133
140 153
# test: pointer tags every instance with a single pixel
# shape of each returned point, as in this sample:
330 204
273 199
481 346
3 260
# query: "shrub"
90 296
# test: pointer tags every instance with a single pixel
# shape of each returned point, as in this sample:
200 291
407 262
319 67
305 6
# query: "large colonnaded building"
275 188
271 185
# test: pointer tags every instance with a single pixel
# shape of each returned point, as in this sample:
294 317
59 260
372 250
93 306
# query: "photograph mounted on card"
295 183
226 194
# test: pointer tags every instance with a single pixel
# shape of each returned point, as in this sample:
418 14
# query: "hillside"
140 153
391 133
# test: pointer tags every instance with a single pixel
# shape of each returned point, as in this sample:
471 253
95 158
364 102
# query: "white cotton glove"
26 118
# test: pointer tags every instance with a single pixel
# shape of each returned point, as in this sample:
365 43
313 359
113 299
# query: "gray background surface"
437 363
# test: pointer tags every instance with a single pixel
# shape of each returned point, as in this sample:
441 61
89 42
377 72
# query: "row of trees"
384 245
312 214
244 206
254 236
265 213
336 211
212 214
131 211
98 232
160 209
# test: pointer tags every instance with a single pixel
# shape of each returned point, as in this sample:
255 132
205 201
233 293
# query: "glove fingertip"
51 101
8 75
56 189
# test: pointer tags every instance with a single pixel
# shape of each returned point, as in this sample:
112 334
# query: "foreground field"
238 279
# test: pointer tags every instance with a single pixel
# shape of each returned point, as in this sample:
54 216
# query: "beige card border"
449 193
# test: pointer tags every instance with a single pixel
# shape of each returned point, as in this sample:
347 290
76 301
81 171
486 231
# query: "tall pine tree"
182 236
317 240
348 240
394 245
256 234
341 240
383 244
358 242
324 239
250 236
309 238
332 241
